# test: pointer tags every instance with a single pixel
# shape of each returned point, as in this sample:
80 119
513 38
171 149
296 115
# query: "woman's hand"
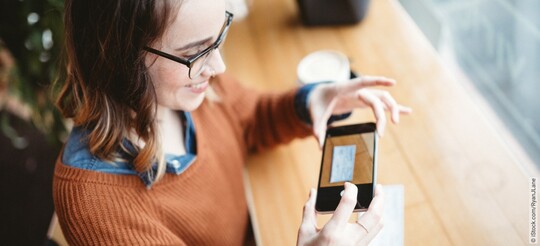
338 231
343 97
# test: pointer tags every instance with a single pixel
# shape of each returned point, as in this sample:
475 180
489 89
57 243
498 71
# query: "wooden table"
465 177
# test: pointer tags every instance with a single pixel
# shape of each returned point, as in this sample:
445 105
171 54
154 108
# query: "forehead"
194 20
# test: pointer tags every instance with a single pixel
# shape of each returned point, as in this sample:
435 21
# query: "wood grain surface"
465 177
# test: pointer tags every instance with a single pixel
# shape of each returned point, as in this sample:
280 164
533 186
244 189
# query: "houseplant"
31 129
32 33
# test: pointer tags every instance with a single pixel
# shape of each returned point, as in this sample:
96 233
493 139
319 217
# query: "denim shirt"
77 154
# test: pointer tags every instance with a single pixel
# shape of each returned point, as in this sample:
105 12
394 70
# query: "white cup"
324 65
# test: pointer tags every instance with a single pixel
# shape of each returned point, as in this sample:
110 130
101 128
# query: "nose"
215 64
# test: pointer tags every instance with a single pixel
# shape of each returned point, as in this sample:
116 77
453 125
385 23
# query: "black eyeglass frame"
190 61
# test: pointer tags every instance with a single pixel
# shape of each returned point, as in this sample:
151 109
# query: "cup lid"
324 65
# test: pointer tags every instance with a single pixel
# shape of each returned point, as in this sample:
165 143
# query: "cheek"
168 76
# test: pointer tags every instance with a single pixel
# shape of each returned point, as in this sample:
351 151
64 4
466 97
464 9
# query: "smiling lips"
198 87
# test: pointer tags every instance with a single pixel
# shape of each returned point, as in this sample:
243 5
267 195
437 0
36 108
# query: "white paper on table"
393 215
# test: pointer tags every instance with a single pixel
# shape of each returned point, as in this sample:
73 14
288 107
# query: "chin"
193 104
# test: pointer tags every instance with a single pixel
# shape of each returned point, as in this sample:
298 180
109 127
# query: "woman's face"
196 27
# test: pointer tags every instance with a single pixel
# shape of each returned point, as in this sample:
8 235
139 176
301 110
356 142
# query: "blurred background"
495 45
31 129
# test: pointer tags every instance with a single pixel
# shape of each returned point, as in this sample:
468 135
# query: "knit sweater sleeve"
91 213
266 118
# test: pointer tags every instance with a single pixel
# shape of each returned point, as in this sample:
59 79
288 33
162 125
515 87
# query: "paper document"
342 163
392 232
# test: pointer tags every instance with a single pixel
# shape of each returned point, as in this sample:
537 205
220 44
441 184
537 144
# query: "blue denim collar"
176 164
77 154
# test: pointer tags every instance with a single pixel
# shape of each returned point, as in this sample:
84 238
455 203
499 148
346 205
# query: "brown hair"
107 88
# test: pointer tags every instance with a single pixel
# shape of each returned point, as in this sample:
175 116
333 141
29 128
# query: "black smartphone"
349 155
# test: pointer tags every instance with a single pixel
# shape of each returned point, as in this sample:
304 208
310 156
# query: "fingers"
346 205
365 81
344 97
320 136
308 228
309 220
339 231
380 101
320 121
378 199
319 130
378 80
372 233
377 107
373 216
404 110
391 105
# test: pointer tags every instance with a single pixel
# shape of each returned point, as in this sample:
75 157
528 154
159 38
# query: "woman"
150 161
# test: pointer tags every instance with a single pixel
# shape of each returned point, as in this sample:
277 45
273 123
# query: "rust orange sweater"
205 205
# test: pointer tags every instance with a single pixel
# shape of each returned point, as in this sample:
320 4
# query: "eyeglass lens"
198 65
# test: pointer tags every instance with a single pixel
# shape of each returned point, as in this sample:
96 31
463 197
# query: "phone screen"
347 157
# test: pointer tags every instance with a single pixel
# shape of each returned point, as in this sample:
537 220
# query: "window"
496 44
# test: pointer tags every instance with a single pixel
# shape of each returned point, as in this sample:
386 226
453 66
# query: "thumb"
319 122
319 132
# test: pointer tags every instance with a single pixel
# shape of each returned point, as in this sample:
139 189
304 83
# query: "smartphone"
349 155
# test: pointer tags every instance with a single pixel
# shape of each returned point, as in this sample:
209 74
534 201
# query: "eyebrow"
194 44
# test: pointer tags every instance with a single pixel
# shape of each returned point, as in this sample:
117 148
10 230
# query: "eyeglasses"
197 62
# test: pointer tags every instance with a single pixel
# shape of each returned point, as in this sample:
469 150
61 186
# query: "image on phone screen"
347 157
